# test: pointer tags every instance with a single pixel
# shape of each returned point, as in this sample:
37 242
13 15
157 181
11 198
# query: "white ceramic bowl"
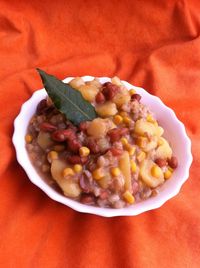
174 132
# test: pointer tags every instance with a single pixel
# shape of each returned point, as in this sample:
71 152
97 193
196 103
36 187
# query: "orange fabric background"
153 44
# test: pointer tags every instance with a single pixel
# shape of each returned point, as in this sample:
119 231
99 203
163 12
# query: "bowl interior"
174 132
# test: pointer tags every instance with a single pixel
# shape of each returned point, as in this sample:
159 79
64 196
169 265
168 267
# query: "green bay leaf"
67 100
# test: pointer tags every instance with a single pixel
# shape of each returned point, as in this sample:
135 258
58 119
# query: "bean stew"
117 159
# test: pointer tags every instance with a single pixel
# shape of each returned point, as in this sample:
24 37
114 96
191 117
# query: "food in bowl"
98 143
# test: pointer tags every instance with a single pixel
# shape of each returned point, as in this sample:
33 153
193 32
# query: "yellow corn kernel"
129 197
84 151
115 171
77 168
160 142
68 172
141 141
127 146
133 166
123 113
150 118
131 149
28 138
156 171
141 156
132 91
126 120
167 174
53 155
117 119
98 174
124 141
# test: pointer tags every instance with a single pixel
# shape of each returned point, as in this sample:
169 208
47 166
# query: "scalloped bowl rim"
20 125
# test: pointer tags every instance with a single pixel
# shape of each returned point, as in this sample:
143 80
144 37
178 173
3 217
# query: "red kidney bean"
41 107
84 183
104 195
69 134
173 162
83 126
47 127
93 146
116 133
161 162
136 97
100 98
115 151
87 199
63 134
106 84
58 136
72 127
74 145
109 90
76 159
124 131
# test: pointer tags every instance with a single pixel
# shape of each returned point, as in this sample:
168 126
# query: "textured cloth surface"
153 44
